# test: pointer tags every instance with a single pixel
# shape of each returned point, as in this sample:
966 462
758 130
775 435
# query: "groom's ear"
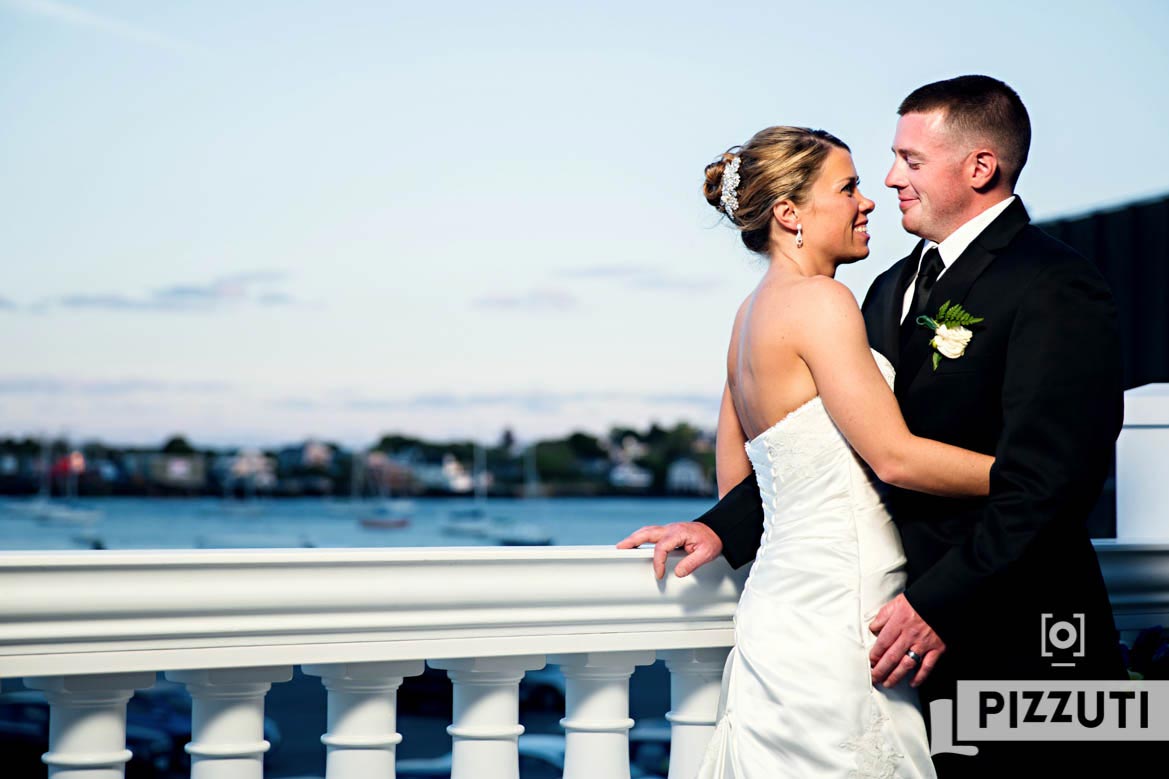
784 212
983 167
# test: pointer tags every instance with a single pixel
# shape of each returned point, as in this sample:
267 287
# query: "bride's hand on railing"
700 543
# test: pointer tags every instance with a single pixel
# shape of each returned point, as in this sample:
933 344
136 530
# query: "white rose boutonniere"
951 337
951 341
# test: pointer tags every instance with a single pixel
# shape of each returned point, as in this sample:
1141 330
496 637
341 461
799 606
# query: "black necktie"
927 274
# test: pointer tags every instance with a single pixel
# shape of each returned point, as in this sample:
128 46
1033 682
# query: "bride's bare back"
766 376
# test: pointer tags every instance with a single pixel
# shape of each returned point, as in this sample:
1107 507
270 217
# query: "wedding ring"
913 656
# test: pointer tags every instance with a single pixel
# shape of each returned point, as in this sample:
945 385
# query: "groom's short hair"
982 108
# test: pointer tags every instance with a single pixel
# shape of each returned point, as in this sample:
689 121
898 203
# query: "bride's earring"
799 236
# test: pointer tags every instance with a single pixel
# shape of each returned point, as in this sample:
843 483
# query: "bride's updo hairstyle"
778 163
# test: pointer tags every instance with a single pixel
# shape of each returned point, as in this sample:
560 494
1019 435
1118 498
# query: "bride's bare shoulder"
791 311
740 317
826 302
796 299
821 291
779 308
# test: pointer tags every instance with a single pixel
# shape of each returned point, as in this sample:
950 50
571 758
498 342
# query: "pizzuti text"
1090 708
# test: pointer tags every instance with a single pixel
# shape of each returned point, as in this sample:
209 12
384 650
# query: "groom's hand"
700 542
899 628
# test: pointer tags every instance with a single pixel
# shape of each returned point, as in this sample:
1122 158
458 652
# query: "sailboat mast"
480 473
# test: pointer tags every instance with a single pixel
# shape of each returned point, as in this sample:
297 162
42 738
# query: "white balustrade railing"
90 628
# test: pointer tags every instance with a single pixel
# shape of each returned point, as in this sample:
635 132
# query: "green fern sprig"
956 316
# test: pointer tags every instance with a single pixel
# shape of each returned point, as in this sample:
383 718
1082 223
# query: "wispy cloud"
56 385
6 304
114 302
680 398
71 15
275 299
676 282
529 300
644 277
533 402
298 404
242 288
602 271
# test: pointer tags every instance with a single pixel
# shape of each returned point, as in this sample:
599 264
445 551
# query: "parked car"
428 694
24 737
649 745
541 756
158 728
22 744
543 690
167 707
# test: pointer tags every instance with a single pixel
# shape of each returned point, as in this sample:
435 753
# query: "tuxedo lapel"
883 307
897 304
956 282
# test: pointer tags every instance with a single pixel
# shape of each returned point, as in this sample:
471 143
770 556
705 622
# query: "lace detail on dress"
792 456
875 757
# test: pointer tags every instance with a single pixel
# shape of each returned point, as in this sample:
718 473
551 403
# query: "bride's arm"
857 397
730 458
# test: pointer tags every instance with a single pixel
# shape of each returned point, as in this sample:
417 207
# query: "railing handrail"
76 612
70 612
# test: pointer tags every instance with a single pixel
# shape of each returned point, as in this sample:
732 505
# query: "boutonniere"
950 334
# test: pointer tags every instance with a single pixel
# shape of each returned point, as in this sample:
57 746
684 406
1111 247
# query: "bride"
807 404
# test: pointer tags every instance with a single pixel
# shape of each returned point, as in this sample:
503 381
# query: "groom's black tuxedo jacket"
1040 388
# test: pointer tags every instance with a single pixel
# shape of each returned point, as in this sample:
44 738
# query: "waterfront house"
178 472
687 477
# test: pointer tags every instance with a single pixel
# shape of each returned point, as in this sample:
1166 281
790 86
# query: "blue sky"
255 222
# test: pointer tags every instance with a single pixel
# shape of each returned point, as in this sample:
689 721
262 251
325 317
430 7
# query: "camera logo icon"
1062 639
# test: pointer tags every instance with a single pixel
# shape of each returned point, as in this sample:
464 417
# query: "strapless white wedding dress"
797 699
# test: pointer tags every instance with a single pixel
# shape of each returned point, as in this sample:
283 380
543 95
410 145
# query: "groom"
1039 387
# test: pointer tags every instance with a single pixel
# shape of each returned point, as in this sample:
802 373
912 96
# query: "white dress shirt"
952 247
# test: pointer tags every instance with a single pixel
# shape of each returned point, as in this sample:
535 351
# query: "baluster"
227 719
362 716
87 723
695 681
597 718
485 720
